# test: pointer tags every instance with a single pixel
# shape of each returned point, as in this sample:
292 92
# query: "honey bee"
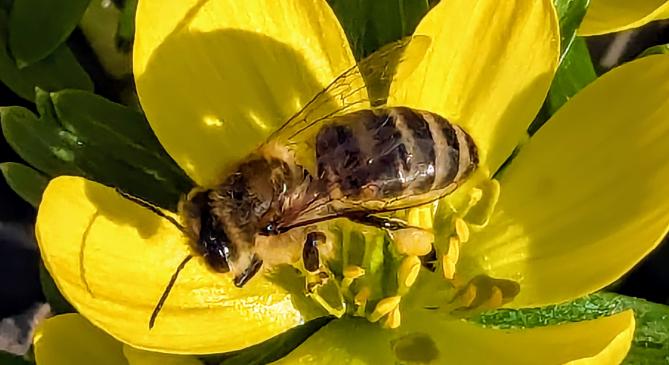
324 164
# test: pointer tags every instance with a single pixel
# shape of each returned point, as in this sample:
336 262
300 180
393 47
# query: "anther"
383 307
448 266
353 272
454 248
413 241
407 273
461 229
394 319
362 296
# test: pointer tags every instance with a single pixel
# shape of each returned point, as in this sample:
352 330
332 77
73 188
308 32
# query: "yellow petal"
428 337
587 198
608 16
112 259
141 357
488 69
69 339
216 77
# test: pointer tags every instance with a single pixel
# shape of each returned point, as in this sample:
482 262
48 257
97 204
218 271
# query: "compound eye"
217 260
269 230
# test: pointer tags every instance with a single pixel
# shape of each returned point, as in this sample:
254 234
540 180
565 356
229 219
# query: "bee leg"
310 251
390 224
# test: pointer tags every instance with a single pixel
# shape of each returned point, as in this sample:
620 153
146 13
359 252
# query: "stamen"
394 319
448 266
407 273
383 307
413 241
353 272
454 248
461 229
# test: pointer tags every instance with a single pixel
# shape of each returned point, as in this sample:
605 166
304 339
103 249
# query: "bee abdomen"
391 152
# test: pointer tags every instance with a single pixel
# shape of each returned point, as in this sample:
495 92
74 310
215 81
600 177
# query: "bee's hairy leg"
310 255
391 224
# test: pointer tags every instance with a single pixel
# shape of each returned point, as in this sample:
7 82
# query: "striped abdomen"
392 152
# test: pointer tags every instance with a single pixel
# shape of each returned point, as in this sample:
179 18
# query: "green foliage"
59 70
80 133
571 13
575 72
25 181
38 27
651 338
9 359
125 33
659 49
370 24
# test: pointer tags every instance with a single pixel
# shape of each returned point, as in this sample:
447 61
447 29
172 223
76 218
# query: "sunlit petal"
112 259
216 77
488 69
586 198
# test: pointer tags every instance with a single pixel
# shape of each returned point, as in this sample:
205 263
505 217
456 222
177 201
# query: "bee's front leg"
310 255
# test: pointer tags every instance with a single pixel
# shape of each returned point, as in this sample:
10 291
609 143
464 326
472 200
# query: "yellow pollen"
394 319
353 272
461 229
413 241
383 307
408 271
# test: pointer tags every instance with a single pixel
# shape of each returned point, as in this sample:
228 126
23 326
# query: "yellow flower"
582 202
607 16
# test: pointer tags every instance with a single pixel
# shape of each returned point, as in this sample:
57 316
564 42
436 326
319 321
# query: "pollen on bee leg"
383 307
407 273
394 319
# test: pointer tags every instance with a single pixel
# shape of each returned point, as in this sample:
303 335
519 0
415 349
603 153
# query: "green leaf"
25 181
125 33
80 133
651 337
575 72
59 70
38 27
659 49
270 350
571 13
10 359
370 24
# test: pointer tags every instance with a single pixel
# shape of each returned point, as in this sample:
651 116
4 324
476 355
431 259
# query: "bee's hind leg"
310 255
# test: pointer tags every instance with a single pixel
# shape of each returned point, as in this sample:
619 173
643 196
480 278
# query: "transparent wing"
361 86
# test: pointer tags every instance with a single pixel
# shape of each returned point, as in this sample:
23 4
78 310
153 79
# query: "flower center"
371 270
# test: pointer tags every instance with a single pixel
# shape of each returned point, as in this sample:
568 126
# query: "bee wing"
346 93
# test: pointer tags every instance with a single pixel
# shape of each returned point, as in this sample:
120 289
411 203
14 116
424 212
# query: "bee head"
222 251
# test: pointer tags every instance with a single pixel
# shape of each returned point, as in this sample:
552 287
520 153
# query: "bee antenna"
166 292
150 207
